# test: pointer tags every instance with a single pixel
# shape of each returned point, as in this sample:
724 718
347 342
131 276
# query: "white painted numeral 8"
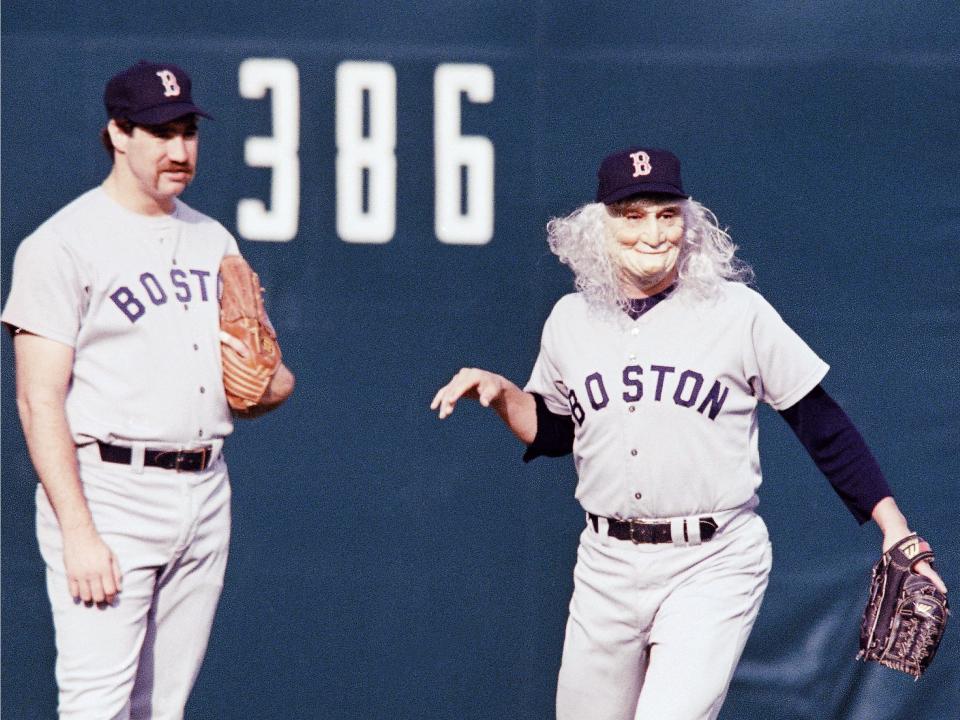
454 153
366 217
280 151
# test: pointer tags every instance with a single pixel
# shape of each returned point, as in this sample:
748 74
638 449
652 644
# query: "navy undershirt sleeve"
554 433
839 450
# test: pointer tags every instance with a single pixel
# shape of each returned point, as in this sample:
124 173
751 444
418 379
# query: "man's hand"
894 527
515 407
93 573
238 345
923 567
482 385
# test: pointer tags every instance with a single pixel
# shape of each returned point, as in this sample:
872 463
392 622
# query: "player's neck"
122 187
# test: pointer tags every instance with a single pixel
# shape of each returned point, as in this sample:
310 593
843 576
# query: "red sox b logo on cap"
171 88
641 163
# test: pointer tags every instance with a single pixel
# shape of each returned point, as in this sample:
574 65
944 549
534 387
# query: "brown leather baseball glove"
906 613
242 315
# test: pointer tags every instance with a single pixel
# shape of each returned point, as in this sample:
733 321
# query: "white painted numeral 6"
456 155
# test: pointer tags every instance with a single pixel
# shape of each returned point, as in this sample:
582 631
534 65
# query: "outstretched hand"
474 383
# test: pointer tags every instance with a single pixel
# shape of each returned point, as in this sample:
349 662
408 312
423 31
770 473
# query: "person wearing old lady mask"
651 375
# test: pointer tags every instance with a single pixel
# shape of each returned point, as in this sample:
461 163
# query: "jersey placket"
187 330
633 482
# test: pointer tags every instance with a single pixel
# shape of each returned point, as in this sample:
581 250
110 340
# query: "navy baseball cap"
638 170
150 94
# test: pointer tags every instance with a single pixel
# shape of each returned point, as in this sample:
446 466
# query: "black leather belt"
179 460
650 532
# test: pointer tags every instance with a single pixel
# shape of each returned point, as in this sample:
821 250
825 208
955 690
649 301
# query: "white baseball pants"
139 657
655 631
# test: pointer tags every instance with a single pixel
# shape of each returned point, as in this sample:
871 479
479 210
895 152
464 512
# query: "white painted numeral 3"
280 151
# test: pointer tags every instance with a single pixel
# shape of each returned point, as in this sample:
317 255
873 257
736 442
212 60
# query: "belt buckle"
180 457
185 455
635 527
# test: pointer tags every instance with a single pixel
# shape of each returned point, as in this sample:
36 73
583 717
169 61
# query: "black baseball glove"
906 613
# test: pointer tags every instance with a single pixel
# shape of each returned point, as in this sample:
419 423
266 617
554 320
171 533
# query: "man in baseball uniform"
651 375
114 310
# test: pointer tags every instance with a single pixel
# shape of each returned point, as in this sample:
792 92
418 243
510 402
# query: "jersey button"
632 408
202 389
196 347
638 495
200 432
634 452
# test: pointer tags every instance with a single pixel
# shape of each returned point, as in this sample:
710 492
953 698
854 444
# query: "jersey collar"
638 306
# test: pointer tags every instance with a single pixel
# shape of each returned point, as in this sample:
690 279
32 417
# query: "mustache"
177 167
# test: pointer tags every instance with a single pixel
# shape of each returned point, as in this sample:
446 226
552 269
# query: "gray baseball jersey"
136 297
665 406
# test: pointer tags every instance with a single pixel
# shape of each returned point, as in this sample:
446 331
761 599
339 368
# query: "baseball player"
651 375
114 311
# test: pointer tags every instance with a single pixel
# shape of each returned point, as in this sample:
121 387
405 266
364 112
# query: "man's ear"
117 136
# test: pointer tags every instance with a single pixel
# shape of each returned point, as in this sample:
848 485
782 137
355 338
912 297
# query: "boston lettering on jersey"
685 388
187 285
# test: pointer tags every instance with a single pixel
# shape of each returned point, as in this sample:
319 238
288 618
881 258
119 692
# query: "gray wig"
707 255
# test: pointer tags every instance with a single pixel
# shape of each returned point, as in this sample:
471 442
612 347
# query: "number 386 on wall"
366 163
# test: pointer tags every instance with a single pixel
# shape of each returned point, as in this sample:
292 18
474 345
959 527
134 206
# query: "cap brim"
165 113
644 189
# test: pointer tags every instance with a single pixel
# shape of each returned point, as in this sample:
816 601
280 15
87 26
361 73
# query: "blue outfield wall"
387 565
